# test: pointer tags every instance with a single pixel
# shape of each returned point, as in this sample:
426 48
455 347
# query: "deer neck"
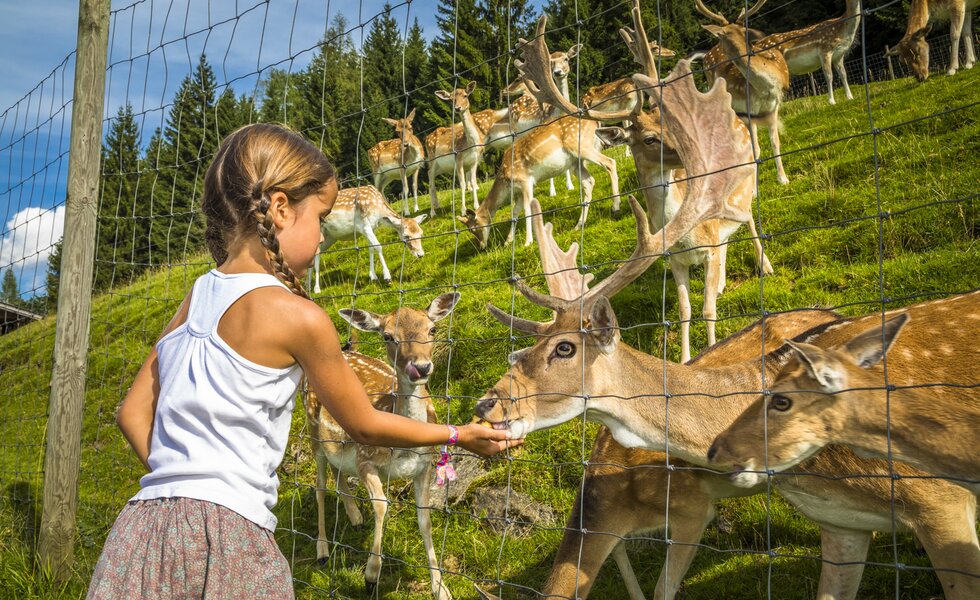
918 17
662 194
696 406
412 399
471 132
499 195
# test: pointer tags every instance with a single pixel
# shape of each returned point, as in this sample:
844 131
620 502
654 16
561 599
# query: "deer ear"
871 346
604 327
361 319
574 50
612 136
440 308
826 370
420 218
470 87
411 116
392 122
712 29
443 95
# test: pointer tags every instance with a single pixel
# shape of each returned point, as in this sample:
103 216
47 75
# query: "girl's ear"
279 209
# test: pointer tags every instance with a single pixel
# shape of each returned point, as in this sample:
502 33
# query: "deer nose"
485 405
423 369
712 451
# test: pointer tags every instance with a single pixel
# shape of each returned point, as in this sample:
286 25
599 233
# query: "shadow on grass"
23 503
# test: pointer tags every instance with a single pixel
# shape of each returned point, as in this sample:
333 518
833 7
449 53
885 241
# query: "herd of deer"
868 421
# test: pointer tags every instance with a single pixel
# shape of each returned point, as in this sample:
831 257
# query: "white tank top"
222 421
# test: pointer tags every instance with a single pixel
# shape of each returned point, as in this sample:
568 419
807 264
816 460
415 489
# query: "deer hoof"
322 561
369 586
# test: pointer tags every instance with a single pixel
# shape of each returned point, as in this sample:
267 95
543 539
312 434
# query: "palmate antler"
721 20
715 151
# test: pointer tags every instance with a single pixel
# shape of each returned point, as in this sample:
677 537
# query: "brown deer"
913 49
757 76
920 404
409 334
822 45
616 477
356 213
579 362
398 158
456 149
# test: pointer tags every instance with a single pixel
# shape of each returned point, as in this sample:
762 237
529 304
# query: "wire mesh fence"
874 219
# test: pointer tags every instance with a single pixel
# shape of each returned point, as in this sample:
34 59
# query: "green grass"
827 247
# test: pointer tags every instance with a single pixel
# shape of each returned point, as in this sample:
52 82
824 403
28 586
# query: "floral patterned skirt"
183 548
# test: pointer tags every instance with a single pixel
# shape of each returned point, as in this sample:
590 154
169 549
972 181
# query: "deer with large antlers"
822 46
757 75
409 334
456 149
398 158
356 213
913 49
579 363
899 384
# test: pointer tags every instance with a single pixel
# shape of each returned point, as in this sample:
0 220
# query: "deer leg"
415 187
551 187
568 180
370 479
404 176
971 57
609 164
526 209
421 487
347 497
842 73
433 201
688 518
474 186
588 184
956 18
461 175
712 278
375 248
681 274
626 572
776 151
722 267
754 134
826 60
843 553
322 549
316 273
760 255
950 540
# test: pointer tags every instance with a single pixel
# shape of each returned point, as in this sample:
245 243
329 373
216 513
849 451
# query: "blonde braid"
267 235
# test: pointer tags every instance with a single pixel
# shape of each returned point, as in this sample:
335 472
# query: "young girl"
209 411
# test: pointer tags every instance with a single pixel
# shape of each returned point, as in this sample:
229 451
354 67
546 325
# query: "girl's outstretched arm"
135 414
314 343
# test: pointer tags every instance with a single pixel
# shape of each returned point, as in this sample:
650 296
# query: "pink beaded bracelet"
453 435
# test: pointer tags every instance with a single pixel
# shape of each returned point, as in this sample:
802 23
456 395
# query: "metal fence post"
61 460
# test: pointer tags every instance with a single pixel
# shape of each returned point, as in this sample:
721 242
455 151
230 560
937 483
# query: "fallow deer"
820 46
357 212
639 480
541 153
409 334
920 404
757 76
580 363
399 158
663 181
456 149
503 126
913 49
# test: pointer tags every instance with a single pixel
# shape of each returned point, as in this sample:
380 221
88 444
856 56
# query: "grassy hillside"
828 248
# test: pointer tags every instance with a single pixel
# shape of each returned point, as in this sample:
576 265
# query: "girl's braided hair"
251 163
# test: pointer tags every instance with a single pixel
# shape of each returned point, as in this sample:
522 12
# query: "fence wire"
880 213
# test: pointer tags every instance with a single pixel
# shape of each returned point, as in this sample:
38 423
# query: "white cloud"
28 240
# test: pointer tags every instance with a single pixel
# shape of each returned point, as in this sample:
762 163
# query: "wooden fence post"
64 432
888 59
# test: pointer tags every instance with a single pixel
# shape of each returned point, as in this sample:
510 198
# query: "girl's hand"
485 441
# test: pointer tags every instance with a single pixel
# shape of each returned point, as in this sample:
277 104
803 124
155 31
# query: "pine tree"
456 56
9 292
53 276
115 260
506 21
421 93
383 86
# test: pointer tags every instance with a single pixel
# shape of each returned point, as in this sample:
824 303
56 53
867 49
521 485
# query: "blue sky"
152 47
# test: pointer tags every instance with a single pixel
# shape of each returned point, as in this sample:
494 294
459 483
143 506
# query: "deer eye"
780 403
388 337
432 332
651 140
565 350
